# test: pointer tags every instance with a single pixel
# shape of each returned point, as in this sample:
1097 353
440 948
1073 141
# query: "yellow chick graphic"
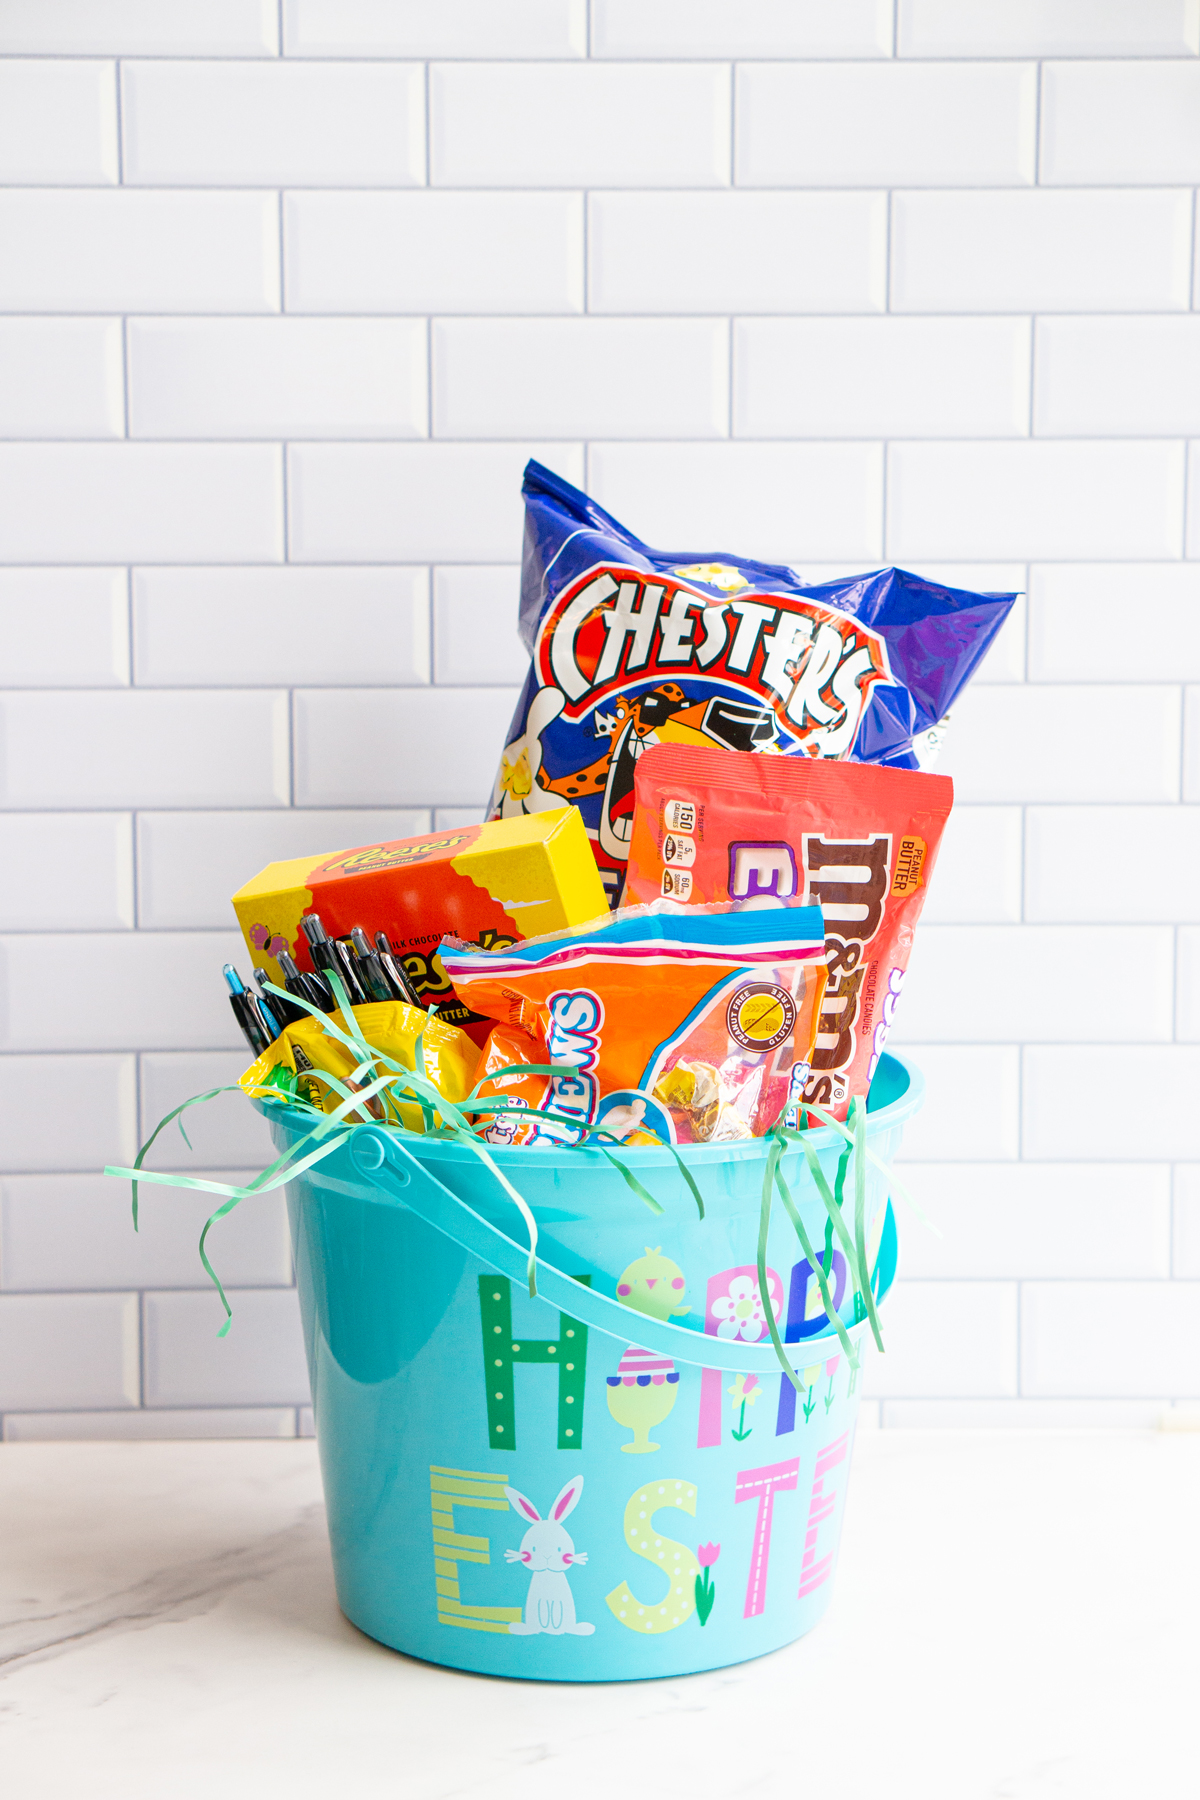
653 1285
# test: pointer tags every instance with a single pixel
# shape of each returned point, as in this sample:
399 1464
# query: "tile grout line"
884 524
431 618
731 377
1026 651
639 315
119 83
285 501
428 128
125 395
291 724
733 168
283 305
1188 453
430 433
887 252
1172 1182
265 58
668 185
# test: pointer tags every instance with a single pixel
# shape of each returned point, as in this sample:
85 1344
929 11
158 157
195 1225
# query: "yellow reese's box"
488 884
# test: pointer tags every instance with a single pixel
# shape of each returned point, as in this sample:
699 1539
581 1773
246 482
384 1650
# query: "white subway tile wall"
58 122
289 293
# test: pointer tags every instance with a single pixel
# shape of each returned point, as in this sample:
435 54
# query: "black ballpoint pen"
328 956
246 1012
371 971
283 1010
360 994
313 988
395 971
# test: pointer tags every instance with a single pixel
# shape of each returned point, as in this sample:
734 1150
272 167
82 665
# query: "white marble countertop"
1016 1617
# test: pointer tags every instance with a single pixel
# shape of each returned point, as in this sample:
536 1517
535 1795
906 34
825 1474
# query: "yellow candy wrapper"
308 1052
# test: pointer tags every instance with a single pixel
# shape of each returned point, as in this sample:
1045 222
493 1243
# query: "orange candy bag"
667 1027
713 825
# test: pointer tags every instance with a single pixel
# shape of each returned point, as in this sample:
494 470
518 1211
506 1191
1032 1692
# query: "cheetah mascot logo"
630 724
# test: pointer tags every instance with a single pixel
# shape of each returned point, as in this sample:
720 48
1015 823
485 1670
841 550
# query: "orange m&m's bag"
860 840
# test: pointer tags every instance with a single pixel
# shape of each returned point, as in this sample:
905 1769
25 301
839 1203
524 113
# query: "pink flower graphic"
706 1593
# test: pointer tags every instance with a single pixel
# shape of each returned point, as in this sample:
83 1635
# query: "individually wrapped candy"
632 647
308 1054
661 1027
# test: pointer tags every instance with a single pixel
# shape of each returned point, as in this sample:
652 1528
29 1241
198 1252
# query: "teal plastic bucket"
499 1470
591 1223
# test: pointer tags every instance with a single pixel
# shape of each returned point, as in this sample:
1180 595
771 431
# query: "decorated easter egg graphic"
641 1394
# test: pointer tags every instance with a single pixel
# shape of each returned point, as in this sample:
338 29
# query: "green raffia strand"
858 1116
855 1248
632 1180
273 1177
513 1069
896 1188
419 1052
135 1172
827 1253
764 1226
774 1160
772 1174
832 1200
688 1177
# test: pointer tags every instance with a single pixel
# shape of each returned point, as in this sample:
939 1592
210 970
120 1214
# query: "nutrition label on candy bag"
680 815
678 849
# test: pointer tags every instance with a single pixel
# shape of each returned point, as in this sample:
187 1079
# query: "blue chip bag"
632 647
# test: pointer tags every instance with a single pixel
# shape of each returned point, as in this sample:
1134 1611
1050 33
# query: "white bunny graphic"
548 1552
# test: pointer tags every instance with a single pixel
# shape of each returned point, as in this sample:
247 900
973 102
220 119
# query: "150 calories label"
680 815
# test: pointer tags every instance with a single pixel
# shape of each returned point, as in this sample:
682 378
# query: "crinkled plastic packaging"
761 830
633 647
667 1027
307 1051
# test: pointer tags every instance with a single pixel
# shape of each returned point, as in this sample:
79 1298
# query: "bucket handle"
389 1166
